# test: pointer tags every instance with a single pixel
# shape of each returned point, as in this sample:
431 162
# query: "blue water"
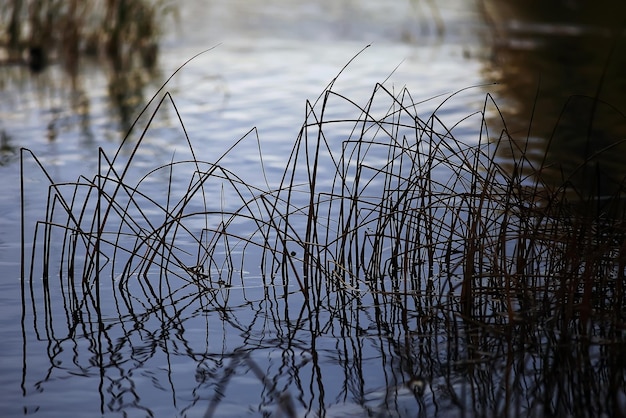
197 350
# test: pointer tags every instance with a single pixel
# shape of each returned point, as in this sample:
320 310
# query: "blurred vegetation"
561 66
125 31
120 36
607 13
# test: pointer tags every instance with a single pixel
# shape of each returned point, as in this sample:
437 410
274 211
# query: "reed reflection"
420 279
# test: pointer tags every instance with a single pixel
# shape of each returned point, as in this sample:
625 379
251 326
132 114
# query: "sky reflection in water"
179 353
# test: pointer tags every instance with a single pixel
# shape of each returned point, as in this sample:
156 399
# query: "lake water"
241 343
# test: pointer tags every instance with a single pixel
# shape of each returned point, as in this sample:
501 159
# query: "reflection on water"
37 33
342 287
59 42
71 109
186 342
155 316
561 69
132 310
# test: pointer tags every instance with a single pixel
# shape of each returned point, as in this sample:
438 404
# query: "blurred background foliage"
126 32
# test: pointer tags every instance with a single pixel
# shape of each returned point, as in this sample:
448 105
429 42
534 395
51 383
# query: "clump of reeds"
514 271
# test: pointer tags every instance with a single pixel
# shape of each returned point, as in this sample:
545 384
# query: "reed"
460 245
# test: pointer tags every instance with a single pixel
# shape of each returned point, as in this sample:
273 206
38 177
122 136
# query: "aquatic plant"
121 30
499 290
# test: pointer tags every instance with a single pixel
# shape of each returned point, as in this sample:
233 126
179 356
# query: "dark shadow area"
561 67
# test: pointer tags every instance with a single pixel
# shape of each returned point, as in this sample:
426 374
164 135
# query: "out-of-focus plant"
125 31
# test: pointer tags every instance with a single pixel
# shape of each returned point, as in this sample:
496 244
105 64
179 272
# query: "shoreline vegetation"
126 33
120 36
475 265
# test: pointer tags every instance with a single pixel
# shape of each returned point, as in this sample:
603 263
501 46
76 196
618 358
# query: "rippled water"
250 348
268 63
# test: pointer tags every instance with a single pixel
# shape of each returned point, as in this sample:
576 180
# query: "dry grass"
519 281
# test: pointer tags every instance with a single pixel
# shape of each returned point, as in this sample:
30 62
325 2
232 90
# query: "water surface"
163 346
